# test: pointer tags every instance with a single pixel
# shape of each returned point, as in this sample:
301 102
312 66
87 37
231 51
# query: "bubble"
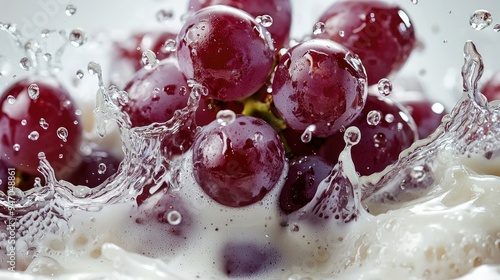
62 133
5 66
373 118
174 217
384 86
11 99
101 168
16 147
169 46
70 10
163 15
264 20
33 91
43 123
480 19
352 135
319 28
307 135
34 135
148 59
77 37
225 117
79 74
25 63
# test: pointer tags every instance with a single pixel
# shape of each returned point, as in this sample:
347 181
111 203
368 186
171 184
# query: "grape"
380 33
492 88
427 116
225 50
304 176
39 117
380 144
94 169
237 161
242 259
297 146
321 83
209 107
4 177
279 10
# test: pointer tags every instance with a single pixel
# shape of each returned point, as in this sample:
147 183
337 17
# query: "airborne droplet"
62 133
373 118
169 46
33 91
264 20
101 168
225 117
480 19
79 74
163 15
148 59
318 28
70 10
43 123
352 135
77 37
307 135
34 135
25 63
384 86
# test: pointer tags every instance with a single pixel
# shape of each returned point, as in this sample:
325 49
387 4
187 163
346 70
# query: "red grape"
242 259
279 10
237 161
427 116
380 33
492 88
39 117
319 83
386 130
94 169
304 176
297 146
225 50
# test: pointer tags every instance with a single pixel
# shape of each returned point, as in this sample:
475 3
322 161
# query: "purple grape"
427 116
94 169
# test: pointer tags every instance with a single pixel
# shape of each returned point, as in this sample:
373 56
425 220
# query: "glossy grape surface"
225 50
237 163
427 116
319 83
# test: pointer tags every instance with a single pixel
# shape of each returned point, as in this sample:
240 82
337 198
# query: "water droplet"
79 74
24 122
414 2
341 33
225 117
174 217
384 86
480 19
11 99
264 20
43 123
70 10
62 133
389 118
380 141
163 15
77 37
183 90
25 63
148 59
34 135
200 90
307 135
496 28
319 28
94 68
5 66
352 135
61 155
33 91
16 147
47 57
169 46
373 118
418 173
101 168
41 155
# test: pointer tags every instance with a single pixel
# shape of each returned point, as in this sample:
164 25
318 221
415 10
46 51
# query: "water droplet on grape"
169 46
380 141
11 99
373 117
16 147
148 59
25 63
352 136
43 123
480 19
24 122
258 137
70 10
264 20
79 74
77 37
163 15
341 33
318 28
101 168
5 66
225 117
174 217
384 86
307 135
34 135
389 118
33 91
62 133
